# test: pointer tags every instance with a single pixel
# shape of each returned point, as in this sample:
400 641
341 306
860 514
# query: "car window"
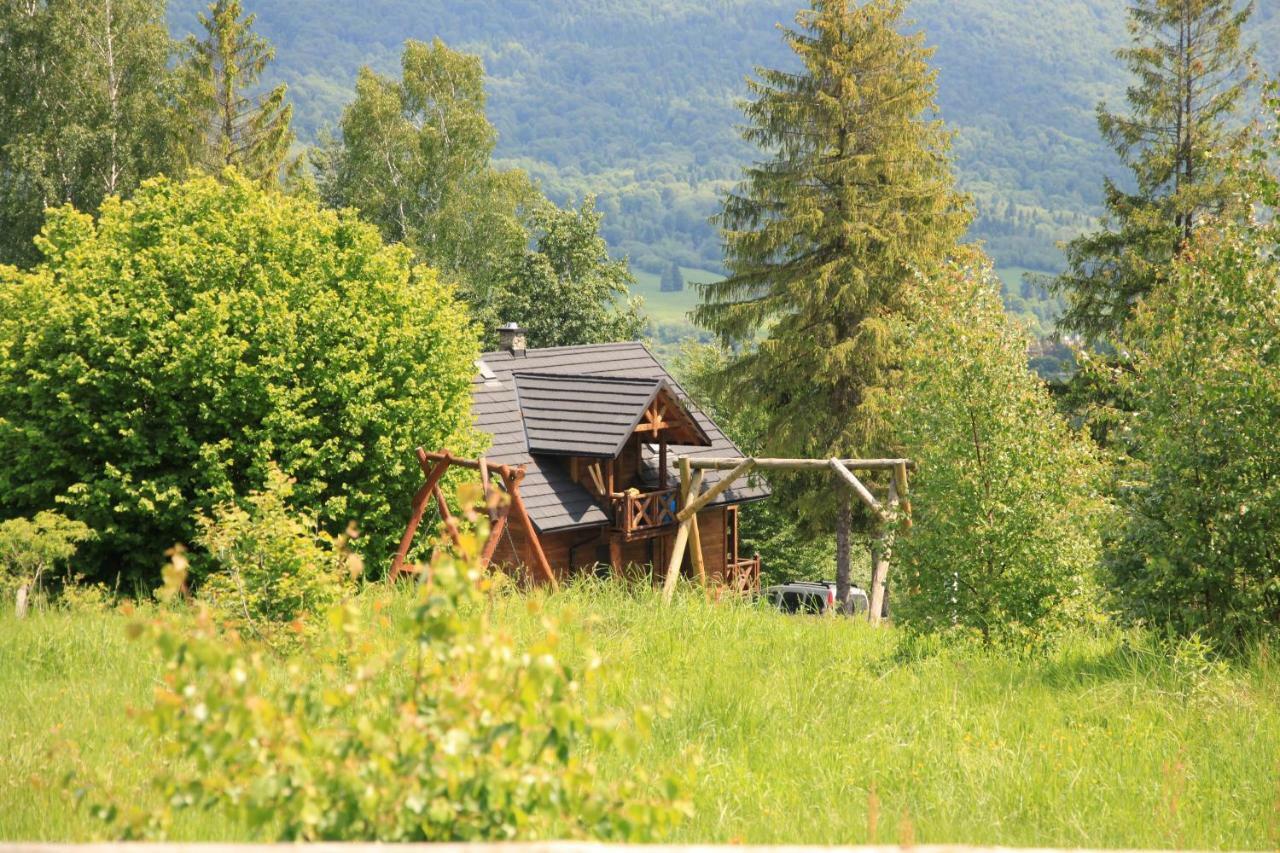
802 602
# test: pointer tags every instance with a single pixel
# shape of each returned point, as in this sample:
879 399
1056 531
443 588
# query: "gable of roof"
574 414
554 501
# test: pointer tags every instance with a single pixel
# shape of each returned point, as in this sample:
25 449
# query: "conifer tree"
672 279
823 240
1190 69
234 129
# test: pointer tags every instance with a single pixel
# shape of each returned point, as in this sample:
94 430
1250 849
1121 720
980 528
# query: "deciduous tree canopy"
157 361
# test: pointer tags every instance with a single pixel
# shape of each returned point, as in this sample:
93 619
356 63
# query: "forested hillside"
634 99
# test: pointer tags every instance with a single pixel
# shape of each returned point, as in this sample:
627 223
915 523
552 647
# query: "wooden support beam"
858 488
879 576
694 507
485 486
615 554
419 509
450 523
594 470
904 494
504 471
677 557
495 534
708 463
695 535
539 560
682 536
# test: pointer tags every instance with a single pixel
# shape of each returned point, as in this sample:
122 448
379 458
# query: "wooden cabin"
598 429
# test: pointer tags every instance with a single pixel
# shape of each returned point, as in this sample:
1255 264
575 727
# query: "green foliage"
1197 551
234 129
158 360
823 239
86 109
1176 141
632 100
271 565
450 733
31 548
1104 740
567 290
414 157
1006 503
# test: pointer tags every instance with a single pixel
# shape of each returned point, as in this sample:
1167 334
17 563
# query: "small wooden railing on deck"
743 576
637 514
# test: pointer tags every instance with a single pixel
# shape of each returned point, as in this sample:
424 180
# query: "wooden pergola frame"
693 500
435 465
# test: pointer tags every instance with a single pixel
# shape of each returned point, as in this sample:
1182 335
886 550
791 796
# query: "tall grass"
805 729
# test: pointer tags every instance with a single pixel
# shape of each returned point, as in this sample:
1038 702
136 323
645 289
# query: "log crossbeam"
695 500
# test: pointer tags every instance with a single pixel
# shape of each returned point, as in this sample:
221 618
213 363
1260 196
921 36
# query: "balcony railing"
743 576
643 514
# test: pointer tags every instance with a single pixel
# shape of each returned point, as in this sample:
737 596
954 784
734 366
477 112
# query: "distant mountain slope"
634 99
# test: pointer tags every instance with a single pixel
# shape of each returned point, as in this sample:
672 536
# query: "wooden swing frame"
435 465
693 499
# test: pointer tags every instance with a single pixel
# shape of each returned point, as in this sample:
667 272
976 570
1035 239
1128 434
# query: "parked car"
812 597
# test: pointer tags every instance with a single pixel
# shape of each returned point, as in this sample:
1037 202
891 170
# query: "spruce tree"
672 279
252 134
1190 69
824 240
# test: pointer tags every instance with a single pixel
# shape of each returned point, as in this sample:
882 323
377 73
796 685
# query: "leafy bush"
1198 549
453 734
156 362
272 566
1007 510
31 548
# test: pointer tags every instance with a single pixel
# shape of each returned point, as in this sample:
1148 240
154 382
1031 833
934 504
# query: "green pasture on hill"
670 308
814 730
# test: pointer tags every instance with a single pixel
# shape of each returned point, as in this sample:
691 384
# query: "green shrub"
454 734
1199 547
271 566
31 548
1007 509
157 360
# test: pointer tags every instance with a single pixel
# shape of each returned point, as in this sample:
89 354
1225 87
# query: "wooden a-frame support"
435 465
693 500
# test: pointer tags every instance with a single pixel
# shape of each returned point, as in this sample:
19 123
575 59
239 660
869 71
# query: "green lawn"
670 308
804 728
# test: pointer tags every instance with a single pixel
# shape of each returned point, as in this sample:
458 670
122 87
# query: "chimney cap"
512 338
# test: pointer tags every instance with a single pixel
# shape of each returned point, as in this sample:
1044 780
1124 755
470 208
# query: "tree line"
97 98
854 321
162 358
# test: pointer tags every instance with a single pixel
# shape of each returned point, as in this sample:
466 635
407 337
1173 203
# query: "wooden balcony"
646 514
743 576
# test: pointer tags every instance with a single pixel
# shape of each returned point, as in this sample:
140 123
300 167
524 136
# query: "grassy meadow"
670 308
805 729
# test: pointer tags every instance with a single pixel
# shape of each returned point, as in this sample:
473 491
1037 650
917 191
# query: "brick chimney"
511 338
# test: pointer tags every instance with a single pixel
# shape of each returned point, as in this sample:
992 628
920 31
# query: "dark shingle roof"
574 414
554 501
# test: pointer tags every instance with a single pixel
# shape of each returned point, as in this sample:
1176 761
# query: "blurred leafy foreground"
433 726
